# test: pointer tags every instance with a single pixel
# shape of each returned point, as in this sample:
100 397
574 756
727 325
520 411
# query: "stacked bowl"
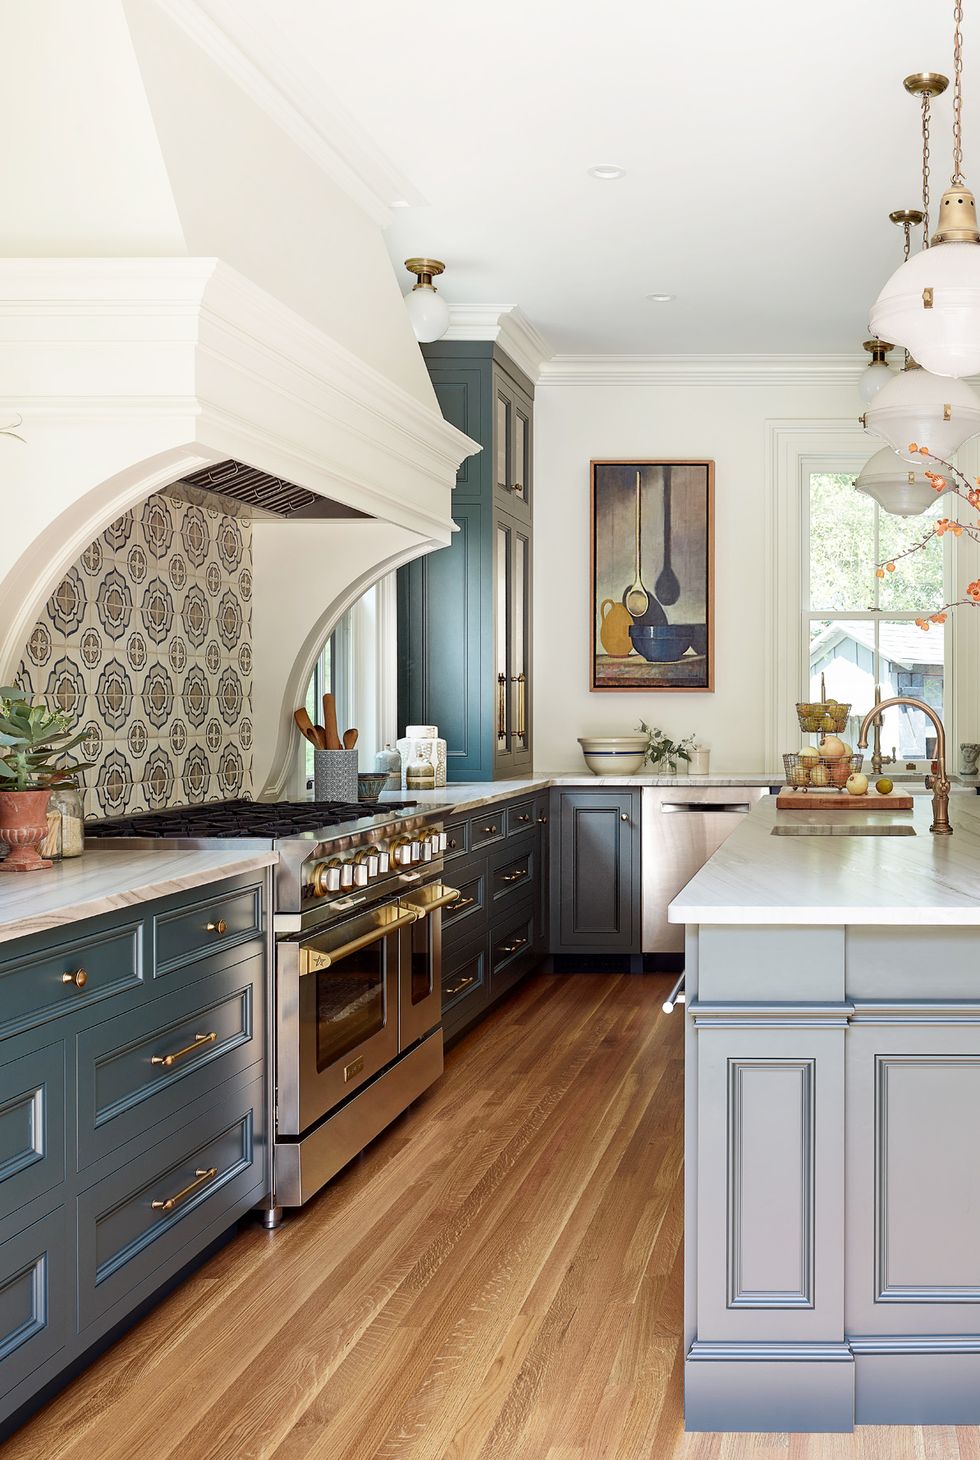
613 755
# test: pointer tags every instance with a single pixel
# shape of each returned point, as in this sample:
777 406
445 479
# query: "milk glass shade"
428 312
945 337
872 379
896 485
930 410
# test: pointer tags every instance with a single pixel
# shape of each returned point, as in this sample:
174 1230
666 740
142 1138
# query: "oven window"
422 984
350 1003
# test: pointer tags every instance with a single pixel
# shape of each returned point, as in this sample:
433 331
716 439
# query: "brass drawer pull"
457 988
219 927
489 830
513 876
200 1040
172 1201
79 978
513 947
462 902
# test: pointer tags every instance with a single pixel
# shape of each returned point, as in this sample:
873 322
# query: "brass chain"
925 175
957 93
907 229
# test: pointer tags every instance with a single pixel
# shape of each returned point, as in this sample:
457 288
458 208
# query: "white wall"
725 423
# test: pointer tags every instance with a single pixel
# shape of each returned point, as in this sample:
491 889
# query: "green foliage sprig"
662 750
34 742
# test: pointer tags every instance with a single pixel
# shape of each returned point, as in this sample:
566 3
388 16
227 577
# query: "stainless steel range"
357 927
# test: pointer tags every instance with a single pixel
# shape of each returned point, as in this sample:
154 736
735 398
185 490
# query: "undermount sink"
840 829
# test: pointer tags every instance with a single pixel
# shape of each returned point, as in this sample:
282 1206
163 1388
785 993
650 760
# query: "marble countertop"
756 877
468 795
103 880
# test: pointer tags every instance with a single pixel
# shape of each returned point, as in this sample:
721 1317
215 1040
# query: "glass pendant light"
917 408
931 305
895 485
426 307
878 372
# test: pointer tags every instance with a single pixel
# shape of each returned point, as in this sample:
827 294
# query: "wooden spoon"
350 739
330 723
306 725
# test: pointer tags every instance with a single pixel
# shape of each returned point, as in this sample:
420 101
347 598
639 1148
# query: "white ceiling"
764 145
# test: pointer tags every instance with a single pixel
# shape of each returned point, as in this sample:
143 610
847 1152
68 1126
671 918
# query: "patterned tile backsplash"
147 641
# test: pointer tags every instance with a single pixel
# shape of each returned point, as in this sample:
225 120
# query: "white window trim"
794 449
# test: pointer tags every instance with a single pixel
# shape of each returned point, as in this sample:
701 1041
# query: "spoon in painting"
636 598
667 588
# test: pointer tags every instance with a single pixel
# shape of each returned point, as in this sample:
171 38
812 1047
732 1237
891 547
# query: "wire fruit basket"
822 716
820 772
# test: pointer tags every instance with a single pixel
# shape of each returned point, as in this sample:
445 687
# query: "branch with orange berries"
955 482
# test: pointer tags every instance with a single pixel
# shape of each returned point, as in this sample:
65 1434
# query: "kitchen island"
832 1267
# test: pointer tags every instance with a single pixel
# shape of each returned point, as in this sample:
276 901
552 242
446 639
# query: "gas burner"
243 819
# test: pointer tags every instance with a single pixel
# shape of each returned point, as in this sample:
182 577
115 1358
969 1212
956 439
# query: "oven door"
337 1012
420 965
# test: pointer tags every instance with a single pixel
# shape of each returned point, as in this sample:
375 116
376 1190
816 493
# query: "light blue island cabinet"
833 1125
133 1093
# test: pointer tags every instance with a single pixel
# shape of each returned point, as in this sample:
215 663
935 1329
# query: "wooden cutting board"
790 799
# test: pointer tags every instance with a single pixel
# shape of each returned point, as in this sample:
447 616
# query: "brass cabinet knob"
623 816
219 927
79 978
542 821
488 830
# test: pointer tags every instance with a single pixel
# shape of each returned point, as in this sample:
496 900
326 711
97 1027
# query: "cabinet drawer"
35 1292
513 871
464 980
189 933
76 973
511 949
520 817
462 918
32 1127
157 1209
136 1070
457 839
487 826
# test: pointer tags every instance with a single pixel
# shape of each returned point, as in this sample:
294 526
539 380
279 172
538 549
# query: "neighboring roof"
901 643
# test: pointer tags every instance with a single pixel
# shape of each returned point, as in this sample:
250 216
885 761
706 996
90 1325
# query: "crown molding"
508 325
767 370
293 95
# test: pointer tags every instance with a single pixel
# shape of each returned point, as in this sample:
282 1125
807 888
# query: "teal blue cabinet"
133 1113
464 611
595 871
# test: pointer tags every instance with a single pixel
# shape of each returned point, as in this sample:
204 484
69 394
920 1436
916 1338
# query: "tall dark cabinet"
464 612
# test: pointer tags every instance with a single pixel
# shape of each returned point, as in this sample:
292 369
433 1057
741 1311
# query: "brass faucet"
940 781
879 761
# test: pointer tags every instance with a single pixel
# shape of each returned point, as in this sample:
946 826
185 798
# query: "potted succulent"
34 742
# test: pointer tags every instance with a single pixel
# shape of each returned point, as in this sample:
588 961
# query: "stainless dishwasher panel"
682 827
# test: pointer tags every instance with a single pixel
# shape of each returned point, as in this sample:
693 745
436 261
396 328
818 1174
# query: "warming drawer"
682 827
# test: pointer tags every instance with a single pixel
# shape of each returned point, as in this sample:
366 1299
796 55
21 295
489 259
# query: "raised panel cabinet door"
460 395
35 1299
32 1127
444 633
512 644
595 876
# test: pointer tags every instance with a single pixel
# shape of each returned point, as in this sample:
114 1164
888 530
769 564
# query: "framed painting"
652 575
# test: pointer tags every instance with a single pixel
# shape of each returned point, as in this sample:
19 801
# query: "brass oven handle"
219 927
311 960
442 899
200 1040
457 988
517 943
79 978
513 876
172 1201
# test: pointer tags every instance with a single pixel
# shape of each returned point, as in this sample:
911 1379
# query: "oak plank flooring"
499 1277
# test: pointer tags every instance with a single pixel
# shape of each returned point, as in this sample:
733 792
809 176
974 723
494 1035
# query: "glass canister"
420 774
66 823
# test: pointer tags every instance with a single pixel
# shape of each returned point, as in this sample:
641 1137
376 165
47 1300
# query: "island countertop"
104 879
759 878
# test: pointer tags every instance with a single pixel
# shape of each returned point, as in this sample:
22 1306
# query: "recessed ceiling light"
661 298
607 171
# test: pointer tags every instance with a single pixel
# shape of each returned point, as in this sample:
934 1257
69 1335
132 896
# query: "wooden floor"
497 1278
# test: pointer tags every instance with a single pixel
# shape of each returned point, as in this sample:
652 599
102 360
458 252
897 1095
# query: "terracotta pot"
23 827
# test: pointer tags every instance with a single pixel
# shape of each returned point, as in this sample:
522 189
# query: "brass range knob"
326 877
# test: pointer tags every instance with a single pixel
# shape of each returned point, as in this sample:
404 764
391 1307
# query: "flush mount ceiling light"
895 485
427 310
931 305
661 298
607 171
878 372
